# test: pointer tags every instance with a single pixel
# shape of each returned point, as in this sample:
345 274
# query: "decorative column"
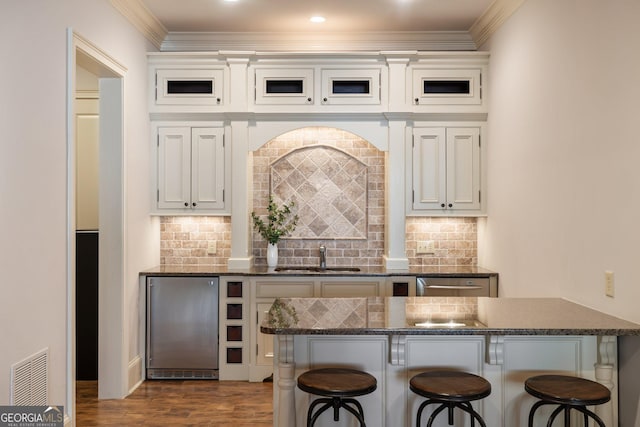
604 371
237 140
286 383
395 256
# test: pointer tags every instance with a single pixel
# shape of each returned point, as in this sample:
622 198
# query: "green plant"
280 221
282 315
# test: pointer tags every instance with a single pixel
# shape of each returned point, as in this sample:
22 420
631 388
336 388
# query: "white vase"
272 254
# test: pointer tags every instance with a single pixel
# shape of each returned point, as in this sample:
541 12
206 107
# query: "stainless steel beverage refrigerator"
182 328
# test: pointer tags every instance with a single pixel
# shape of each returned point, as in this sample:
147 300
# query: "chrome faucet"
323 257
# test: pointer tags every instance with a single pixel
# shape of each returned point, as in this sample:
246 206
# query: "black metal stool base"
567 409
567 392
336 403
450 406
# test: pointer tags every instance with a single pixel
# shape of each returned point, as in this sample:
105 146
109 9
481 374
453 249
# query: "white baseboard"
135 377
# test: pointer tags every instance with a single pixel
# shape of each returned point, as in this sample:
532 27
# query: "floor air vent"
182 374
30 380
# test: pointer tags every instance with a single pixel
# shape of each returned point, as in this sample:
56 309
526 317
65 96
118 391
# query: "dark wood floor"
178 403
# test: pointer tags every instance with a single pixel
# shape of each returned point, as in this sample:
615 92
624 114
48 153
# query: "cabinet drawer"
284 289
350 289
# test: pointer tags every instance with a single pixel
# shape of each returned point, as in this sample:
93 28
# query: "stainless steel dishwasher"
182 327
435 286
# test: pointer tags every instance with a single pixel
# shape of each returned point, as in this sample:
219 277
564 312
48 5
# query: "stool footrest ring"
336 403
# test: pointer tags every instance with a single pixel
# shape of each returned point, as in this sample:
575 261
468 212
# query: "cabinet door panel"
207 168
429 175
189 87
350 87
463 168
174 167
265 341
284 86
447 87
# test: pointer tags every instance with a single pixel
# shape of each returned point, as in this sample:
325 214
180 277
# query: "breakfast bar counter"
502 339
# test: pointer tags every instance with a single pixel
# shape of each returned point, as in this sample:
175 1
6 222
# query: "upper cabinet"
450 83
447 87
446 172
190 174
189 87
319 88
193 83
284 86
351 87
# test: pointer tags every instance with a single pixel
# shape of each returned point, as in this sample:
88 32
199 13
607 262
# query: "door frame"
112 360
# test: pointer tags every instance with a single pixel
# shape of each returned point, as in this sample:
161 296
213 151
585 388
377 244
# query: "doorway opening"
111 365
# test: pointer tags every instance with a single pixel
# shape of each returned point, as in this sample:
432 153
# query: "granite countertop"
475 316
208 270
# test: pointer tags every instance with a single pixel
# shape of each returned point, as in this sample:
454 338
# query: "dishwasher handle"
463 287
422 286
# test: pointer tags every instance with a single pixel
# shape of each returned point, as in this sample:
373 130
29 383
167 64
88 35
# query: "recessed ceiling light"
317 19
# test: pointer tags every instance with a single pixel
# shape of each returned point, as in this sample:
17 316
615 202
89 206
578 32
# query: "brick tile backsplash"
455 240
184 240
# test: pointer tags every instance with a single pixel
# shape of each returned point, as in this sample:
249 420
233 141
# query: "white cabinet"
319 87
284 86
451 82
190 170
264 342
446 171
350 87
187 83
202 87
447 87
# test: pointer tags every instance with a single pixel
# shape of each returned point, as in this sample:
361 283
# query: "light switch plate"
212 247
609 288
425 247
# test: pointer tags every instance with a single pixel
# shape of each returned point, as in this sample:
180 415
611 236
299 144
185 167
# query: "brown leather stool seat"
568 393
450 389
338 386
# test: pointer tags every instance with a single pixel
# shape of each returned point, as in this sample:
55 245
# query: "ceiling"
293 15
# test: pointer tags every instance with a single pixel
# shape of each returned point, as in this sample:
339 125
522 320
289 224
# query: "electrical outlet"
425 247
212 247
608 284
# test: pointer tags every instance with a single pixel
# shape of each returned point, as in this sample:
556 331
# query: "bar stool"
568 393
338 386
451 389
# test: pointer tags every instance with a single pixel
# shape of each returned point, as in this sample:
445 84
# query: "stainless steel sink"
317 269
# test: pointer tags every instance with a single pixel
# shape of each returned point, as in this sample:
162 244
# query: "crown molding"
484 27
489 22
317 42
142 18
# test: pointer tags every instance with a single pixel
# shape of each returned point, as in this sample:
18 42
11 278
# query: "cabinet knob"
324 99
218 100
194 204
450 205
417 100
442 205
308 99
186 205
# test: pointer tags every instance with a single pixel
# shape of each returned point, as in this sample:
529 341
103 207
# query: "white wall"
33 174
564 153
